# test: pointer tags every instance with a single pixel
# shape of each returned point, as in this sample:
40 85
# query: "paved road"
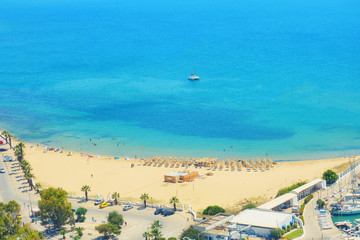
312 227
14 187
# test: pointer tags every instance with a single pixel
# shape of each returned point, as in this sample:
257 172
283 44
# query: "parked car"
2 170
8 158
158 211
19 216
168 213
103 205
127 207
98 201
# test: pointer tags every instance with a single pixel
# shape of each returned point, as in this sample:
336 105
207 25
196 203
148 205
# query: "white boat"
193 77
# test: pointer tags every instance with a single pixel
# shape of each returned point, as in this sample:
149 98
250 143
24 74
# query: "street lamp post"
29 210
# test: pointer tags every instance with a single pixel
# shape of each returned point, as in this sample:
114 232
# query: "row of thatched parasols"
250 164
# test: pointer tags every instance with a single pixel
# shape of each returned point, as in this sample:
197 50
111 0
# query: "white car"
8 159
127 207
2 170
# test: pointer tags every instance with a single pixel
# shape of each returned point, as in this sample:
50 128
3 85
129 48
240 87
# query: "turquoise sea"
278 78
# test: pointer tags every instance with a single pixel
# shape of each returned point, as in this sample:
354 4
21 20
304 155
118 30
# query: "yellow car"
19 216
104 205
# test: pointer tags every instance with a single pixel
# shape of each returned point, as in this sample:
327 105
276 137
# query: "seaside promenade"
13 186
312 229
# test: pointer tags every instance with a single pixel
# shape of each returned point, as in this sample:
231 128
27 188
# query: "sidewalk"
312 228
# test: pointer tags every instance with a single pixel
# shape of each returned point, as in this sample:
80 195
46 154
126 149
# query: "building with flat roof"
262 221
307 189
180 177
248 222
282 202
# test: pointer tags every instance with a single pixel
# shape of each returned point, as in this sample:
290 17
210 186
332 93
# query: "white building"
262 221
248 222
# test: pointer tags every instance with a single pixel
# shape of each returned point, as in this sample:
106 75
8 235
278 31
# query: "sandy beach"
225 188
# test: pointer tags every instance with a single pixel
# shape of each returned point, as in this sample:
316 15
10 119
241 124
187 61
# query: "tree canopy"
192 234
320 203
10 225
107 229
54 207
213 210
330 176
116 219
80 213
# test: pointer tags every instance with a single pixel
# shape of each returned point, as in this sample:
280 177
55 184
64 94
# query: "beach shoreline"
129 177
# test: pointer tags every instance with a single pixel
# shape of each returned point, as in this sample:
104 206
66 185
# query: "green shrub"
282 231
302 219
172 238
295 225
308 198
289 189
192 234
77 237
213 210
330 177
275 233
288 228
248 206
82 219
302 209
320 203
161 238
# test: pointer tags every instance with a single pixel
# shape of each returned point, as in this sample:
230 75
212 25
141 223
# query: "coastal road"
312 227
14 187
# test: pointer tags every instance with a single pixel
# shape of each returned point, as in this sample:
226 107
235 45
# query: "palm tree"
146 235
24 164
5 134
28 169
28 177
9 135
156 233
144 197
37 187
115 196
156 224
86 189
79 230
174 200
19 150
63 232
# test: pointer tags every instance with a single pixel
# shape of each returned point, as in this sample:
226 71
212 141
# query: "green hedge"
302 219
289 189
172 238
302 209
308 198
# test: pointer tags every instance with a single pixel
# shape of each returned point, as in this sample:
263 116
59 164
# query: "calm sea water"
277 77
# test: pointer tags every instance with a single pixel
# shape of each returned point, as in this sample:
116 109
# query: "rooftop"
213 221
262 218
175 174
308 185
277 201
